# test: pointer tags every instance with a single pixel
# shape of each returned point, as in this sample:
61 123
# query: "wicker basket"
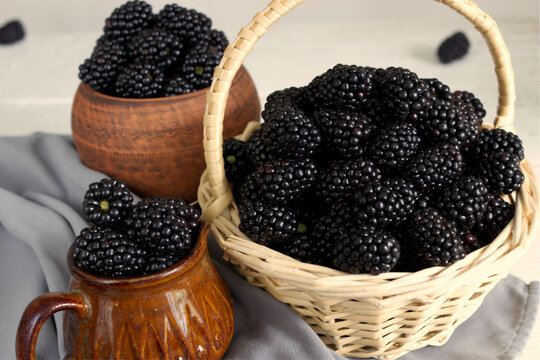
390 314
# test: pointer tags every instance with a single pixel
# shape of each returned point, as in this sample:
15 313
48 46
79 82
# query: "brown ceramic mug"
183 312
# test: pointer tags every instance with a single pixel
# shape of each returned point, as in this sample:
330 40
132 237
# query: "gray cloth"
42 183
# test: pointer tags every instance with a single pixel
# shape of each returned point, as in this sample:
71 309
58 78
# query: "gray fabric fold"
42 183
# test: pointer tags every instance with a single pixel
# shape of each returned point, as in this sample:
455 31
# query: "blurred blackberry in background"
140 81
11 32
199 65
237 165
497 215
106 252
156 47
107 202
178 85
501 173
188 24
343 132
464 201
365 249
453 48
128 20
395 145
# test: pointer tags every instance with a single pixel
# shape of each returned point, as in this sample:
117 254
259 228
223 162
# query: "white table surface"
38 77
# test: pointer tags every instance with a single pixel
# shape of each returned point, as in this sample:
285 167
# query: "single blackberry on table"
433 238
286 99
188 24
344 132
386 203
342 86
155 225
395 145
107 202
445 123
156 47
464 201
128 20
467 102
284 180
11 32
365 249
290 134
501 173
256 150
237 165
453 48
106 252
492 141
199 65
269 225
101 69
157 263
497 215
435 167
140 81
178 85
404 96
344 177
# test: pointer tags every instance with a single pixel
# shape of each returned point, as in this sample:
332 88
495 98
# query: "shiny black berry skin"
439 89
247 191
365 249
497 215
156 47
501 173
177 85
199 65
453 48
188 24
395 145
434 240
128 20
279 100
256 150
435 167
106 252
344 177
301 247
282 180
493 141
386 203
107 202
140 80
464 201
157 263
11 32
467 103
269 225
216 40
344 132
237 165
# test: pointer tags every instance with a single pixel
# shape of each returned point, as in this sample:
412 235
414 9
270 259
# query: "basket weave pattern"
363 315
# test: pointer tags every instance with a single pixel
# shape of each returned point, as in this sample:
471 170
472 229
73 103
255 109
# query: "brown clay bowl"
155 145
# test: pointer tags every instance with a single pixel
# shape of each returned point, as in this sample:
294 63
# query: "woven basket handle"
237 51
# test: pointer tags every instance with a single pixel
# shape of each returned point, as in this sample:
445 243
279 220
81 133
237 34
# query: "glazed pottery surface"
155 145
183 312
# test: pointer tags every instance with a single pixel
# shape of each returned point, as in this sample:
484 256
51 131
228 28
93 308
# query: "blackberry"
435 167
247 191
237 165
156 47
434 239
214 39
343 132
444 123
344 177
268 225
11 32
140 81
286 99
107 252
439 89
497 215
101 69
188 24
199 65
301 247
157 263
155 225
386 203
178 85
107 202
453 48
464 201
283 180
468 103
256 150
365 249
404 96
290 134
128 20
394 146
343 86
470 241
492 141
501 173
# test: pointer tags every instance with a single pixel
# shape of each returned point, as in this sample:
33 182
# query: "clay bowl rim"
156 278
196 93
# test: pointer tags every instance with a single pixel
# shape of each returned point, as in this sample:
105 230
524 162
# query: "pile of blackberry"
128 239
147 55
371 170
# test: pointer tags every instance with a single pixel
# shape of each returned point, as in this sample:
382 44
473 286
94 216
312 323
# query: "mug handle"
35 314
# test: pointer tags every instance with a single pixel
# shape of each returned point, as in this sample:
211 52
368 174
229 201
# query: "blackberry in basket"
107 202
493 141
281 100
497 215
236 162
501 172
